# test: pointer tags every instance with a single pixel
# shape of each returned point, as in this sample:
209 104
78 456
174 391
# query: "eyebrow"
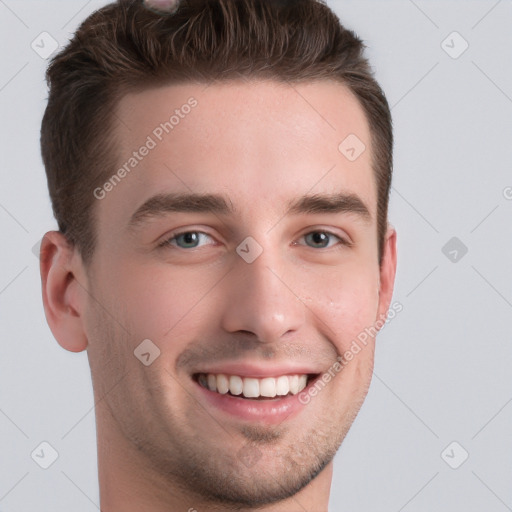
162 204
331 203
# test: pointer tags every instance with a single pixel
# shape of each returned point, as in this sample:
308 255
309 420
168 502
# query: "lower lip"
264 411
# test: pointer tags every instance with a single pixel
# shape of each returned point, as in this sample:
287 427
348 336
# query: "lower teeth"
258 397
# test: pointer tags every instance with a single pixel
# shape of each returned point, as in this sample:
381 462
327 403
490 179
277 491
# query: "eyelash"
167 242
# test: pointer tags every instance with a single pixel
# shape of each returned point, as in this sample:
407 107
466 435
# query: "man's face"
173 274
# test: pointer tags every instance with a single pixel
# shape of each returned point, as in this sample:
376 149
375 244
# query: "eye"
323 239
192 239
185 240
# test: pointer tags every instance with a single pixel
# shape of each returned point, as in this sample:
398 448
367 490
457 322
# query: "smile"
252 387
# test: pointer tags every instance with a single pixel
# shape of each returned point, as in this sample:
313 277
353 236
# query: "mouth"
256 394
254 388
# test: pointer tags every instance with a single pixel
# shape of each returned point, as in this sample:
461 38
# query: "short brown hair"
125 46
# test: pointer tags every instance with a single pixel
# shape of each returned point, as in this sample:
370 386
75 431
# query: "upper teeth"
251 387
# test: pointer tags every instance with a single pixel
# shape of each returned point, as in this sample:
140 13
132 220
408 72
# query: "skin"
160 445
162 5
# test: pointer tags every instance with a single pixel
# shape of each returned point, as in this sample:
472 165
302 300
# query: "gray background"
442 370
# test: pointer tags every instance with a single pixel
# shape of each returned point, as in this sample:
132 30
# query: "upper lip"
259 370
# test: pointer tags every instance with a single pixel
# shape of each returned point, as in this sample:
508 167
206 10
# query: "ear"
387 272
62 294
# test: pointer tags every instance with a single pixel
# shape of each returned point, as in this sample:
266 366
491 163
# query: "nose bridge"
261 301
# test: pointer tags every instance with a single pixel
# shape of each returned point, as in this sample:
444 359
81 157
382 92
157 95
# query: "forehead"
260 143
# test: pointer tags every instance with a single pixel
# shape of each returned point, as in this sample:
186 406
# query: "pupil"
319 238
190 238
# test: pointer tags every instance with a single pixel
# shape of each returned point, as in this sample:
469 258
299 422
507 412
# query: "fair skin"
165 442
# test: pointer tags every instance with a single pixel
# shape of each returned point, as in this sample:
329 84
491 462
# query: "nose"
261 299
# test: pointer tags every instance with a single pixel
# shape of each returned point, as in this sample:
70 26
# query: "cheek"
346 302
158 302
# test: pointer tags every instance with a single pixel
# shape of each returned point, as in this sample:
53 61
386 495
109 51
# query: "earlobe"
387 272
61 297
